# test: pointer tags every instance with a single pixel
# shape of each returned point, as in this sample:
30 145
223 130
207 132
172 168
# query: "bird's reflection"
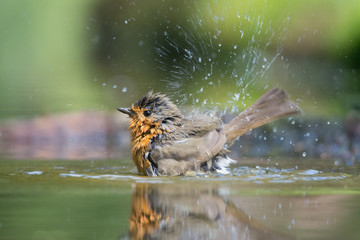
185 211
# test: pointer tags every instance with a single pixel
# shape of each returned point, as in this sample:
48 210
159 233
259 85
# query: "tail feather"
272 105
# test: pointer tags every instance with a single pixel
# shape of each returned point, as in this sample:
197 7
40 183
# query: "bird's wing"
177 157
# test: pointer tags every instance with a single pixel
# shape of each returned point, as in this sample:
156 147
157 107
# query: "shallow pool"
107 199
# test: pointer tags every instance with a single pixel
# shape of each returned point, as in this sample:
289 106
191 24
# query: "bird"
165 142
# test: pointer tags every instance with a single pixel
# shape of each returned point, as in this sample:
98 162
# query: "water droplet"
236 96
126 21
199 59
124 89
115 86
253 40
104 84
235 46
304 154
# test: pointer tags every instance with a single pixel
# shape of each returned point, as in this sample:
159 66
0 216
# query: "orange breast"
141 135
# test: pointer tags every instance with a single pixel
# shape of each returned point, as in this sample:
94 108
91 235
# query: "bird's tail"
272 105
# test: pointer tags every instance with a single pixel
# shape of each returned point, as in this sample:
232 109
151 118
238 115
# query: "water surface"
107 199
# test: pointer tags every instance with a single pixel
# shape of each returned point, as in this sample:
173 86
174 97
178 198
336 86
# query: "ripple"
274 175
116 177
256 175
310 172
35 172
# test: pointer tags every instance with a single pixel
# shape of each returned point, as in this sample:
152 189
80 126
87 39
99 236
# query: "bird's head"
153 110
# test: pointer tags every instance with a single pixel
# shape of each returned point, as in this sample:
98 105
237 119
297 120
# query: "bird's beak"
126 111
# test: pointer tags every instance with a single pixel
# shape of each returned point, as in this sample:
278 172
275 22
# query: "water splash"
202 55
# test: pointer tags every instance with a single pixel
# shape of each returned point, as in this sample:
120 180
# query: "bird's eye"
147 113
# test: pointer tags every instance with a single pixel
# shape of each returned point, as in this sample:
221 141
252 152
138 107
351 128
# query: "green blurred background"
60 56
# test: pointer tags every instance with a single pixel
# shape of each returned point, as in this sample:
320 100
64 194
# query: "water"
107 199
218 45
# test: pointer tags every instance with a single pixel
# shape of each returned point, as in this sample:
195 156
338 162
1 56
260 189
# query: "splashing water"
204 54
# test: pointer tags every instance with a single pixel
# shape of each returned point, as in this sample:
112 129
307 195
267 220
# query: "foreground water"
284 199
